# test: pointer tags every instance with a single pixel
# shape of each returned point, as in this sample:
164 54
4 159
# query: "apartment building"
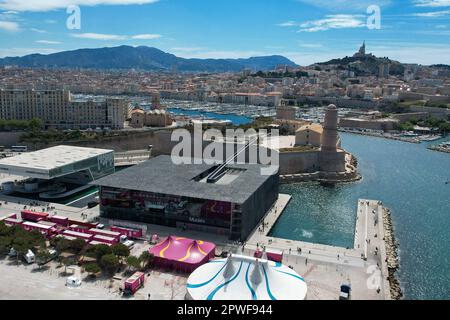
57 109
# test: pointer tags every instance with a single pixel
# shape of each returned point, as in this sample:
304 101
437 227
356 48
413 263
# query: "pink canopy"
183 254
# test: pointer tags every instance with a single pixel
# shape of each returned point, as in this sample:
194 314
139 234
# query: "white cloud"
288 24
432 3
38 30
339 5
98 36
48 42
274 47
19 52
146 36
222 54
48 5
9 15
338 21
187 49
435 14
114 37
9 26
311 45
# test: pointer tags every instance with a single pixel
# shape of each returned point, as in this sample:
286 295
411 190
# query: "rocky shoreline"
439 149
391 255
381 135
322 177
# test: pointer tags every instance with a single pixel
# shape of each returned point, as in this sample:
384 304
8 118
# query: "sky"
306 31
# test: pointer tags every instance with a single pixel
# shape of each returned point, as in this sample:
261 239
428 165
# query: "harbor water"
410 180
234 118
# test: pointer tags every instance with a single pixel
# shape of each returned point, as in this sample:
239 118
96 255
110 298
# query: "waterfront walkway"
363 266
323 267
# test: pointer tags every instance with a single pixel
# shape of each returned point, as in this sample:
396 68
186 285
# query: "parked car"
30 257
345 292
124 240
92 204
73 282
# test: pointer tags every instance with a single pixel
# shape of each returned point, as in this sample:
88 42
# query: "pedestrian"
306 262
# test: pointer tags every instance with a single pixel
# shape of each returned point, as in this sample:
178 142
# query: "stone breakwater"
381 135
323 177
438 148
391 255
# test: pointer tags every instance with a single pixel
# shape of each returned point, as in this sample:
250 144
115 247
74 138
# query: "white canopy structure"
58 161
245 278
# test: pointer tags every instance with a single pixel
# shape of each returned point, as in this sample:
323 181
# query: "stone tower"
331 156
330 137
362 50
286 112
156 100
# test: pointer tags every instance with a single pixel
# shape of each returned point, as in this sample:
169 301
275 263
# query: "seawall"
391 255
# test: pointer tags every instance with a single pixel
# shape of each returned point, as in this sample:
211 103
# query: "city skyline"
305 31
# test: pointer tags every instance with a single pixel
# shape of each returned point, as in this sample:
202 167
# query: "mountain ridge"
142 58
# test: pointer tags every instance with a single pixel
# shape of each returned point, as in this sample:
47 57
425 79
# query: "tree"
146 259
98 251
444 127
42 257
4 229
36 239
35 124
66 262
133 262
61 245
92 269
77 245
5 245
120 250
109 263
24 240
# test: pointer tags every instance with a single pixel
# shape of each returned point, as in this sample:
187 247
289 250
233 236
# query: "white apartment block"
56 109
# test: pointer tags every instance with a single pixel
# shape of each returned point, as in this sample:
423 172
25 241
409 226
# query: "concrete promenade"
324 267
362 266
9 205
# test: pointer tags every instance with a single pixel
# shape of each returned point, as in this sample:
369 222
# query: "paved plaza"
324 267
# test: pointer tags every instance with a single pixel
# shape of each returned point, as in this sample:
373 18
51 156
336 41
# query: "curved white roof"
245 278
39 164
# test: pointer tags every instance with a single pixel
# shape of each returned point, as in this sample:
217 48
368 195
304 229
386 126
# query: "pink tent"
182 254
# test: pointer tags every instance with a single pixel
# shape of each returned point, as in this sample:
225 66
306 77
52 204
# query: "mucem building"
184 196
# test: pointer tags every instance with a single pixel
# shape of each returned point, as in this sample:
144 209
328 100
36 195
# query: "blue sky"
306 31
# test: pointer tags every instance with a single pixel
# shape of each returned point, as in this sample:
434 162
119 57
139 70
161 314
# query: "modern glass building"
160 192
60 161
